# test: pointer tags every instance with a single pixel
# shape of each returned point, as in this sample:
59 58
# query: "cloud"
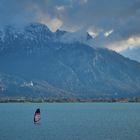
132 53
122 45
107 33
53 24
102 14
60 8
113 23
15 12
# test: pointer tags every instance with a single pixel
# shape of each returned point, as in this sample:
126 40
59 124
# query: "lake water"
70 121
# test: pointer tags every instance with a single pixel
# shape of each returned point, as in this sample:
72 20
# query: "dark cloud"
105 14
121 16
102 15
14 12
21 12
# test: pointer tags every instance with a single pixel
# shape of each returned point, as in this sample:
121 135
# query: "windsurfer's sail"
37 116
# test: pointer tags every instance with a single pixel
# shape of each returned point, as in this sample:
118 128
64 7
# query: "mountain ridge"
51 67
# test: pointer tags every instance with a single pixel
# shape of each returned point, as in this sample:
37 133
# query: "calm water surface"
70 121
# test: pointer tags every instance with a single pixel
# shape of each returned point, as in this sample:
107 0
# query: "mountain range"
35 62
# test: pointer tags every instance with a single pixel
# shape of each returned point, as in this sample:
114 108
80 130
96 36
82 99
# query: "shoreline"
68 100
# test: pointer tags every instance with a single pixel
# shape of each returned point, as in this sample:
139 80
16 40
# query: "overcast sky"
115 24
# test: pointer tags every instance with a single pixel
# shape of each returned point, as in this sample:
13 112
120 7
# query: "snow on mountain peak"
38 31
80 36
37 27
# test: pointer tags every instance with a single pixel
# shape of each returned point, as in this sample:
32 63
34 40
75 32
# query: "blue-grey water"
70 121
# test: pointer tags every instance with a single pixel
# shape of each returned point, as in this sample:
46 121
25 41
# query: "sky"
114 24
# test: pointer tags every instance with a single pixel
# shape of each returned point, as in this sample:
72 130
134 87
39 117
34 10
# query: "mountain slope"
54 68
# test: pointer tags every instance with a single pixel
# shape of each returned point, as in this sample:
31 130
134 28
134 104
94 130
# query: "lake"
70 121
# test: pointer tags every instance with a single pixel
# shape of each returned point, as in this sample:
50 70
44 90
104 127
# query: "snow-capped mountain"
60 64
80 36
36 31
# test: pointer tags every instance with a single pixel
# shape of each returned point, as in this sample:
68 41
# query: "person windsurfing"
37 116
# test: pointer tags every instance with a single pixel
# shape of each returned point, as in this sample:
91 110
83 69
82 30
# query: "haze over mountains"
36 62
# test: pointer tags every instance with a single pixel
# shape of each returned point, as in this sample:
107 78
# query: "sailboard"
37 116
